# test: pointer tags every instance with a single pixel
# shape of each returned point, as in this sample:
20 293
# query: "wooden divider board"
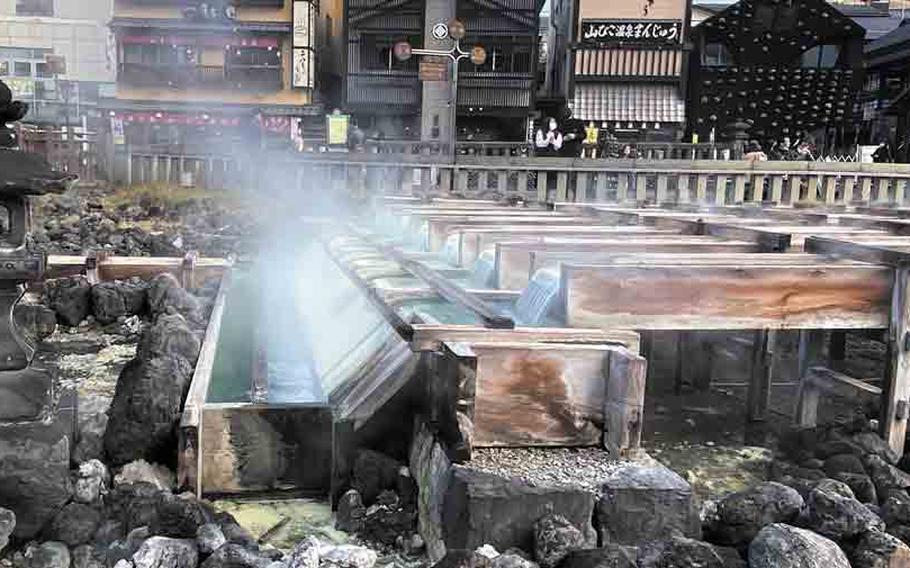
516 263
439 228
727 296
473 240
799 233
537 394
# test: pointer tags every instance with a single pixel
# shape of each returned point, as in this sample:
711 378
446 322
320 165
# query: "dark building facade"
386 96
886 97
770 69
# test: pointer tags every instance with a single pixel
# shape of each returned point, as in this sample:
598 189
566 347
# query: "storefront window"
254 57
22 69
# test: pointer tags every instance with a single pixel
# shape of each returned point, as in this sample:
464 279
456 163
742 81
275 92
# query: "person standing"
590 143
549 143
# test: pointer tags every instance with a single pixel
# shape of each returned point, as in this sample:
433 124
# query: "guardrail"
544 179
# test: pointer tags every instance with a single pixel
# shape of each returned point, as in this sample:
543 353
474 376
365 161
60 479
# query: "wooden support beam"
759 395
855 251
624 403
819 381
770 241
897 364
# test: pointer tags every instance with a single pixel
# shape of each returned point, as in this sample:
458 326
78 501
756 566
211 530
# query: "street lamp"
478 55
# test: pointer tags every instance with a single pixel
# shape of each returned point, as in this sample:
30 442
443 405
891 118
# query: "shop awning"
620 102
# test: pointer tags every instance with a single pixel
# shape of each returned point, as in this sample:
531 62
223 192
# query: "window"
22 69
716 55
376 54
42 71
4 68
159 55
503 56
35 8
254 57
821 57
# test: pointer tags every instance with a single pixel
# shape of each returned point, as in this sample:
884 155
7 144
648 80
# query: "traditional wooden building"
768 69
622 64
886 95
494 99
216 76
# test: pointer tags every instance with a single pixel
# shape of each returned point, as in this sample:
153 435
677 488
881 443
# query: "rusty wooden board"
539 394
654 297
515 263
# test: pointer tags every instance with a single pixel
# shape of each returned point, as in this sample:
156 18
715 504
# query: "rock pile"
381 507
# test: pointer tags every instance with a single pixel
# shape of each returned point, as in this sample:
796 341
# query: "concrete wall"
78 32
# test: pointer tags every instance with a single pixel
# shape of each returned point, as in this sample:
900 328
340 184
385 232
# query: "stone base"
35 470
24 395
646 502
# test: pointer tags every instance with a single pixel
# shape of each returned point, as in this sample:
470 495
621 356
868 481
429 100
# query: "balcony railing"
184 76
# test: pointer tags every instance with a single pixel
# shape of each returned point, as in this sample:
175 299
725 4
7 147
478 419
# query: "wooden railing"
548 179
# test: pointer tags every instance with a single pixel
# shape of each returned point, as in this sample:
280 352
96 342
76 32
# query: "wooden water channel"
692 272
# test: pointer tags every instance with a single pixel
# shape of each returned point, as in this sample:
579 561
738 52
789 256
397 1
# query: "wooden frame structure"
832 269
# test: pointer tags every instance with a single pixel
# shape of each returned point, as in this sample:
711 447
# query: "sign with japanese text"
631 31
434 68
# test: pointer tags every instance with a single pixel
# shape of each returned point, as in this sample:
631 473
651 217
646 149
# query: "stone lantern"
35 439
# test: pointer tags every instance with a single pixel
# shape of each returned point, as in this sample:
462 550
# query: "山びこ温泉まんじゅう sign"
630 31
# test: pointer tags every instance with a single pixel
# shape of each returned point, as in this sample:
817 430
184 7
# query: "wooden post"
897 364
542 193
624 403
342 459
777 189
811 347
581 187
562 187
682 189
762 369
849 183
694 360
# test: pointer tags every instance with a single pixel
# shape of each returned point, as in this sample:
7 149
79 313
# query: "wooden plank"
514 266
811 348
430 337
770 241
539 394
855 251
624 403
897 364
725 297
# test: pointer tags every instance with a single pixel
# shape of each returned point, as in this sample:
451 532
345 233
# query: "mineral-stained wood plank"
624 404
539 394
429 337
726 297
515 265
897 364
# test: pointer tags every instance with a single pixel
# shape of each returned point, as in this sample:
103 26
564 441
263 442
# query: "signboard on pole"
337 129
117 131
303 72
434 68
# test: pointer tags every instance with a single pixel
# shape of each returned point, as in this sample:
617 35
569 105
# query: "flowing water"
536 303
484 269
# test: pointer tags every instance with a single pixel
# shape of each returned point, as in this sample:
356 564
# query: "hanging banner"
304 74
117 131
302 23
631 31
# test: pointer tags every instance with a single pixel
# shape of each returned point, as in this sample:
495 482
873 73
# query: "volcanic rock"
209 538
113 300
235 556
742 515
47 555
373 473
7 526
150 393
70 298
783 546
347 556
885 476
844 463
92 480
896 509
181 516
140 471
610 556
166 295
644 503
880 550
679 551
85 556
512 559
75 524
838 517
872 443
554 538
163 552
350 513
305 554
862 486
